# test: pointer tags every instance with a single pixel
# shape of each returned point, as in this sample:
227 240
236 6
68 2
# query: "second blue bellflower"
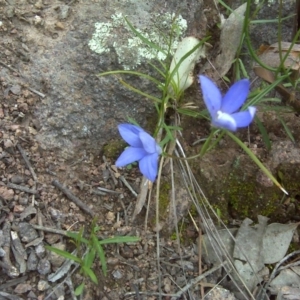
224 111
143 148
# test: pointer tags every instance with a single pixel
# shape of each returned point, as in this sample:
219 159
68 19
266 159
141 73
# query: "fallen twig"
40 222
72 197
8 67
21 188
13 282
51 230
124 209
128 186
37 92
112 175
108 191
16 71
96 192
27 162
11 271
9 296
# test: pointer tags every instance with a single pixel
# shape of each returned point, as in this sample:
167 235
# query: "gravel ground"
44 194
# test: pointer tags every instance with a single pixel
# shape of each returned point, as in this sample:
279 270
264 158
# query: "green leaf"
89 258
139 74
90 273
64 254
226 6
133 121
75 236
171 75
97 228
281 109
208 143
270 21
243 69
275 100
188 112
78 291
255 100
130 87
162 73
101 254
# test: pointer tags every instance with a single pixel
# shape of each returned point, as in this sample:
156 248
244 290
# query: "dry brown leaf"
271 56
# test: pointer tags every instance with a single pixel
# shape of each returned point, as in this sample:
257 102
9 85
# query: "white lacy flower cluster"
269 2
131 50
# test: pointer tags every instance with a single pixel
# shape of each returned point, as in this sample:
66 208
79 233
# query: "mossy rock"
113 148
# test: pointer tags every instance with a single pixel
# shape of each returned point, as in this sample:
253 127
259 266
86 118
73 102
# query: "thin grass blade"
145 40
139 74
90 273
89 258
64 254
101 254
286 128
76 236
78 291
130 87
264 133
256 160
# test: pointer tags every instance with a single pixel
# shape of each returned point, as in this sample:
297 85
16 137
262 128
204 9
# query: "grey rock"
27 232
31 295
29 210
58 292
19 252
32 261
56 215
16 89
55 259
117 274
44 266
82 110
40 250
17 179
64 12
1 238
2 252
267 32
23 201
17 244
43 285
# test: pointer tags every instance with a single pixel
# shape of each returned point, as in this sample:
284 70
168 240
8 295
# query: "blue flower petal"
130 155
224 121
148 142
211 95
130 133
244 118
148 166
236 96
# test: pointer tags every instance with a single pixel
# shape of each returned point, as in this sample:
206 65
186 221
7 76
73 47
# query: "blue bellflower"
143 148
224 110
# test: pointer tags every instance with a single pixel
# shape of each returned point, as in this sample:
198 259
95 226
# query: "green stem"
206 144
256 160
